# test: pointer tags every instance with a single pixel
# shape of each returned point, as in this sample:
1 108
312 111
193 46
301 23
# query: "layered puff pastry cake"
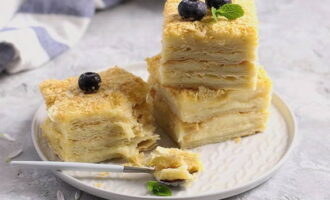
195 105
114 122
172 164
202 116
219 54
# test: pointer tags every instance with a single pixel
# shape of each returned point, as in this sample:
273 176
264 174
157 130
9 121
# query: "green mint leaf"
231 11
214 13
158 189
150 185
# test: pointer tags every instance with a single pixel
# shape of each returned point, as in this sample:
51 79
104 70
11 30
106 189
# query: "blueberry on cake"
98 117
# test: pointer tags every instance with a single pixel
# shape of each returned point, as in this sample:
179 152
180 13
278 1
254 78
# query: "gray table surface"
294 48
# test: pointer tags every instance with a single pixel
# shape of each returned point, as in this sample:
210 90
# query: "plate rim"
282 106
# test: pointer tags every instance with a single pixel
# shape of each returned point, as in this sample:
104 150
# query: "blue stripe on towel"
83 8
7 54
51 46
7 29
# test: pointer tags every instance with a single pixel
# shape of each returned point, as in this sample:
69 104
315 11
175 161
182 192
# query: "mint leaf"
158 189
231 11
215 14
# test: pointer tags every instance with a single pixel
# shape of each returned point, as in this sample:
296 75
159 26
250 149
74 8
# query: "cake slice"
172 164
217 129
114 122
219 54
196 105
194 117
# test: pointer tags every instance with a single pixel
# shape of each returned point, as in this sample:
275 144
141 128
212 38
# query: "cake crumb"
237 140
98 185
102 174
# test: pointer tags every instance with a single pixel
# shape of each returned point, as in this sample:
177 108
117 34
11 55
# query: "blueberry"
216 3
192 9
89 82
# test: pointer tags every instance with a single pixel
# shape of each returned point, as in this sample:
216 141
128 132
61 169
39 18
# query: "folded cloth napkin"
33 32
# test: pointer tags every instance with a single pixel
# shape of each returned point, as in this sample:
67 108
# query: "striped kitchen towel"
33 32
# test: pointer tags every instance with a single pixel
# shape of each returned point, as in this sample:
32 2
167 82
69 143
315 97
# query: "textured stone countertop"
294 48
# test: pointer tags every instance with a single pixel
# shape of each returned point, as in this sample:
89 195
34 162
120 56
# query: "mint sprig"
158 189
230 11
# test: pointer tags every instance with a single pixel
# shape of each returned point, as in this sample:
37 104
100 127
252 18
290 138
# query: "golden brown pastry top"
207 28
120 91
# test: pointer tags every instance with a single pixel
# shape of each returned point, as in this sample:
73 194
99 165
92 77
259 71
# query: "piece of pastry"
194 117
217 129
216 54
196 105
113 122
172 164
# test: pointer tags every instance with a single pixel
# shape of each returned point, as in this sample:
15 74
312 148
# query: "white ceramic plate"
230 167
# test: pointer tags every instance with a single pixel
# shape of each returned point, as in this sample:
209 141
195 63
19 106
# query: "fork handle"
81 166
129 169
70 166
